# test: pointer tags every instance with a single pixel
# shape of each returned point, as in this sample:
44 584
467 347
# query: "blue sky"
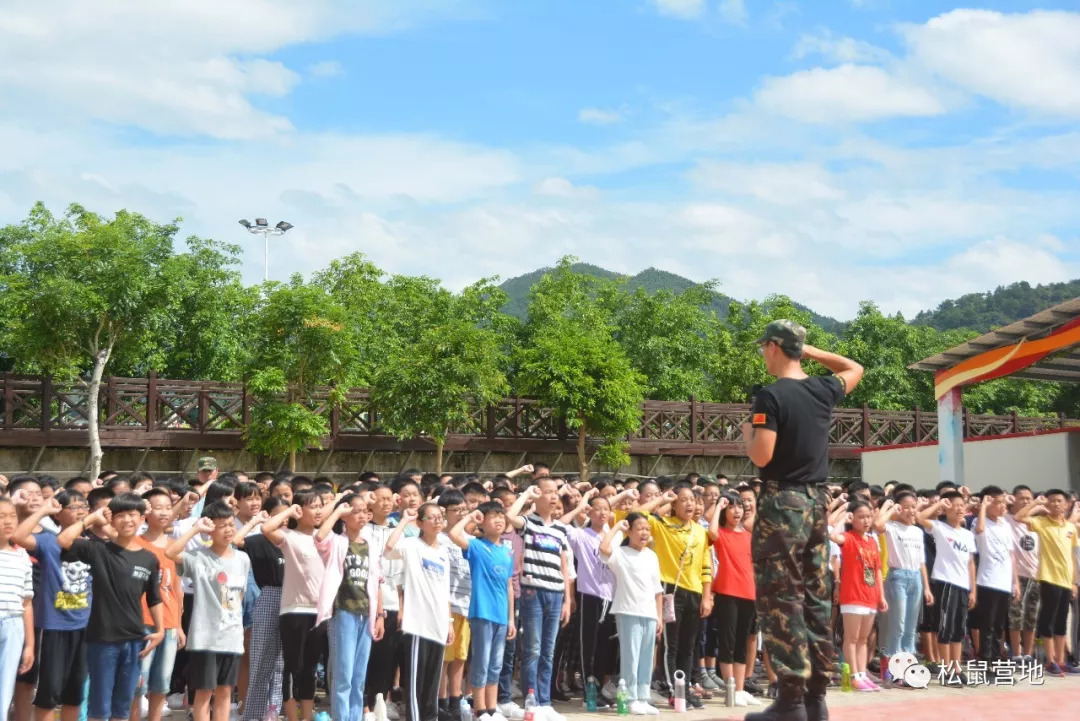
835 151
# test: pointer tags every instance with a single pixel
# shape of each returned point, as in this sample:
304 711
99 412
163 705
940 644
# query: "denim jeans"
904 593
114 672
540 616
486 652
350 644
12 636
637 644
156 669
506 675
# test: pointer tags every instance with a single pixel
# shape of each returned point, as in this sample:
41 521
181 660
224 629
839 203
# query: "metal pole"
266 256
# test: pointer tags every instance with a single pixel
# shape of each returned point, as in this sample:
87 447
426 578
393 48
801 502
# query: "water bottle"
530 705
729 692
845 677
680 691
591 691
271 713
379 709
466 710
621 699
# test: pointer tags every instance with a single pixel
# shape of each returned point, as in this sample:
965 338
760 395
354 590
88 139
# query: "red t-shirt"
734 564
859 559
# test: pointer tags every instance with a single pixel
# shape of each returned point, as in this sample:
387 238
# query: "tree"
432 387
571 361
304 342
356 285
670 339
81 291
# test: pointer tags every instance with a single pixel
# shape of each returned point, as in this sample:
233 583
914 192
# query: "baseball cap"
207 463
787 334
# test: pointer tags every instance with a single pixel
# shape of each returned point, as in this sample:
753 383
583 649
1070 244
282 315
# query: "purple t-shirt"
593 575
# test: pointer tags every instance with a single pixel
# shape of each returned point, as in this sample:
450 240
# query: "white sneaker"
498 716
547 713
642 708
484 717
176 701
750 699
610 690
511 711
740 698
515 690
370 716
393 711
658 698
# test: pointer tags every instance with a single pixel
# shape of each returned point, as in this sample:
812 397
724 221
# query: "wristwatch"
381 614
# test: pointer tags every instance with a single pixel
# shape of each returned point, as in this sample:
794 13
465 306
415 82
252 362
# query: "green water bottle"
621 696
845 677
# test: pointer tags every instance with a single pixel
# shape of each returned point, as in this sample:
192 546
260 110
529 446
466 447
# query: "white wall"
1043 461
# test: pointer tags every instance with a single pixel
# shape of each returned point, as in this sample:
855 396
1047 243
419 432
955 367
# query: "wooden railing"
156 412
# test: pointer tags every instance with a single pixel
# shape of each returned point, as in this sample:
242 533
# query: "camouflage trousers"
794 586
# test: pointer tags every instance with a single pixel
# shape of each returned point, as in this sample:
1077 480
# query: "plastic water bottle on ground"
845 677
530 705
622 696
680 691
592 690
271 713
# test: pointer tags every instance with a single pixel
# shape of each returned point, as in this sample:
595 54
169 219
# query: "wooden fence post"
151 401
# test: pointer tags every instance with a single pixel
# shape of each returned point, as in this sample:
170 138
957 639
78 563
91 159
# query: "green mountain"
1005 304
650 279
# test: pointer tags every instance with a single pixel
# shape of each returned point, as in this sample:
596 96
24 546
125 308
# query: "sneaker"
144 706
863 684
705 679
693 700
176 701
700 691
657 698
641 708
740 698
547 713
609 690
370 716
484 717
515 690
774 688
1052 669
750 700
393 711
1071 669
751 687
715 678
497 716
511 711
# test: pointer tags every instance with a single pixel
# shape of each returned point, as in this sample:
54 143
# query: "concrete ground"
1054 699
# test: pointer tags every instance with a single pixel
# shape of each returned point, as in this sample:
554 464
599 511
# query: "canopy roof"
1062 364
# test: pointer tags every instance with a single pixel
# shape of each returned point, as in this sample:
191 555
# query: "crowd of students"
229 596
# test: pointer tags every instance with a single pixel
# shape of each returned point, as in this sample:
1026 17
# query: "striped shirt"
544 546
460 577
16 581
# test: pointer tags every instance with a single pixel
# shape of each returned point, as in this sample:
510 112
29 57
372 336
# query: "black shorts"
207 670
31 676
61 669
953 611
1054 602
930 616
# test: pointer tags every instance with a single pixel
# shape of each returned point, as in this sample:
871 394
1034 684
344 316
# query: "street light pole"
261 227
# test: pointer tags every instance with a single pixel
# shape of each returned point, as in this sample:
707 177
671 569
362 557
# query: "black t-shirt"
267 561
800 411
120 578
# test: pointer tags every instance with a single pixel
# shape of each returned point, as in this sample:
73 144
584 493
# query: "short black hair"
943 485
66 497
402 482
369 477
928 492
901 495
246 489
19 481
117 481
105 474
218 491
273 503
48 482
323 488
950 494
76 481
992 491
263 477
127 502
140 476
99 494
537 465
217 510
451 497
1021 487
491 507
501 493
155 492
856 486
474 488
1056 492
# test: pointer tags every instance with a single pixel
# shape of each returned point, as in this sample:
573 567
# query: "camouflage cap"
787 334
207 463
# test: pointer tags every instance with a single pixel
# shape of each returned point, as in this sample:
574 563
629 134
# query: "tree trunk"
93 410
583 462
292 461
439 443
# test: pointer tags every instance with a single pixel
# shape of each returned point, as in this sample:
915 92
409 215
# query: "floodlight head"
261 222
284 226
245 222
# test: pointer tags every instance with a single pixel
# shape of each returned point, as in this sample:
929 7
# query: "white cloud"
599 116
326 69
776 183
1029 61
185 67
848 93
836 49
733 11
563 188
686 9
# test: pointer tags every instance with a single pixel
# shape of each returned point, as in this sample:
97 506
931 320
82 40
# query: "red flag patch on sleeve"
758 419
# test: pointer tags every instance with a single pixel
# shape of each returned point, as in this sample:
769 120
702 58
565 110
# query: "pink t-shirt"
303 573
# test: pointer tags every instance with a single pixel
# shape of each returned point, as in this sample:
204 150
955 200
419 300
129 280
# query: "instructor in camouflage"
788 439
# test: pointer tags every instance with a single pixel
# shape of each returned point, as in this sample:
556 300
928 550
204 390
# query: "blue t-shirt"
62 601
491 565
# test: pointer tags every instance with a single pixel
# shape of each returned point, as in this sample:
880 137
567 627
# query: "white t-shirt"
426 580
637 581
1026 547
954 548
905 546
995 546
